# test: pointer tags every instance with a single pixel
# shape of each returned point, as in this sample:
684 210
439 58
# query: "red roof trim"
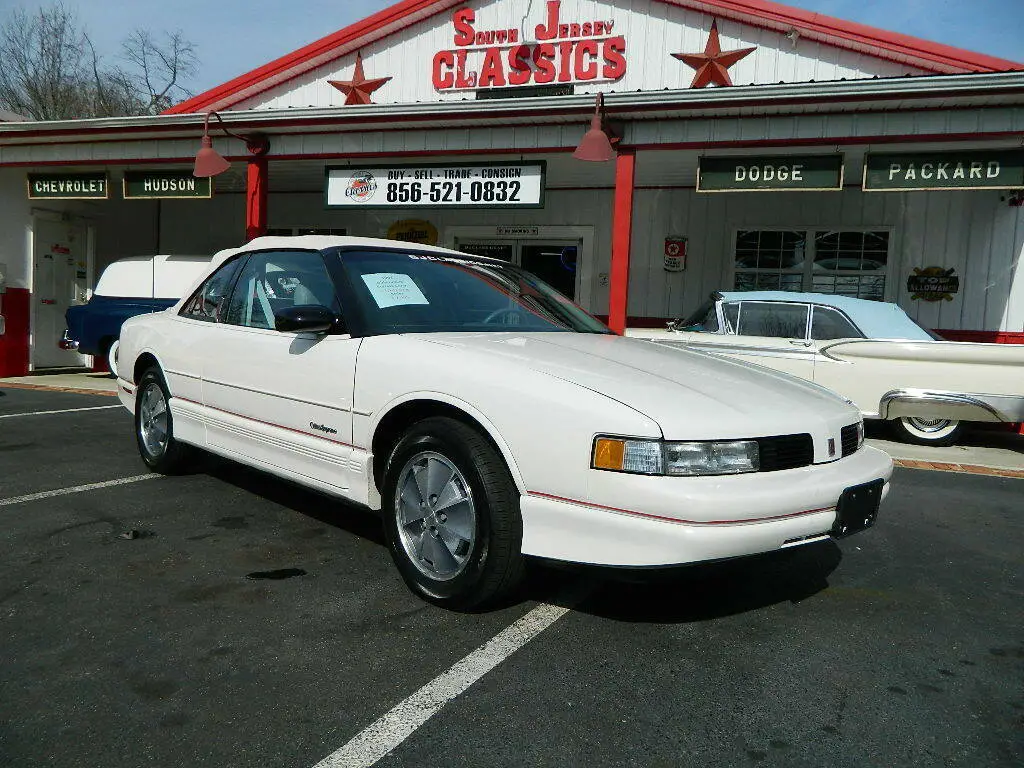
280 70
838 31
920 53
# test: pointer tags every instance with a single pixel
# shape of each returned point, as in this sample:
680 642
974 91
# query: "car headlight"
657 457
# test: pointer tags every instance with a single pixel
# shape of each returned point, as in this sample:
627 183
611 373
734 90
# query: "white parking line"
65 410
76 489
379 738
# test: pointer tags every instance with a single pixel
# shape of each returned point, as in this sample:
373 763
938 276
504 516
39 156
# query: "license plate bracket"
857 509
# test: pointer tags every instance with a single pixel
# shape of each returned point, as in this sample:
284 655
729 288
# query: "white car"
870 352
488 416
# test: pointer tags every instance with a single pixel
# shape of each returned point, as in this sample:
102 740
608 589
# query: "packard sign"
147 185
559 51
770 173
496 185
68 186
993 169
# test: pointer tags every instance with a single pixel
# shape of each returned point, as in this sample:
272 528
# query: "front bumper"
675 520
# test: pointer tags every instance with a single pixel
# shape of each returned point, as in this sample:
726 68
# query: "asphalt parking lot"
227 619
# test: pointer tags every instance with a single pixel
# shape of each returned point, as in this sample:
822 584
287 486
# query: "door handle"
799 343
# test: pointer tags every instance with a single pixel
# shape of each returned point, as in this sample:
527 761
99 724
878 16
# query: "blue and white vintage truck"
135 285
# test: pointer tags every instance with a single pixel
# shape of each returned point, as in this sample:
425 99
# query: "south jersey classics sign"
497 185
544 51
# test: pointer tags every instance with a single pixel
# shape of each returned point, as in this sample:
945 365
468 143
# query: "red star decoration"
713 65
358 89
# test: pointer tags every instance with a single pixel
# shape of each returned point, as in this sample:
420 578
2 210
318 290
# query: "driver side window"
272 280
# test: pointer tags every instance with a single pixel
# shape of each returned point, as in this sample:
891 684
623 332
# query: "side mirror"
308 318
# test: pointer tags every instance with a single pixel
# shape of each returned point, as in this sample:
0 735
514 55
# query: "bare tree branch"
52 71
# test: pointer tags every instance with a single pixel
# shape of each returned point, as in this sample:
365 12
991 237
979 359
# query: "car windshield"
425 293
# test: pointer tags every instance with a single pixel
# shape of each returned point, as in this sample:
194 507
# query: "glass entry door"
553 261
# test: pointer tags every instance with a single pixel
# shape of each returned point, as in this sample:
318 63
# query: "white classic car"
870 352
488 416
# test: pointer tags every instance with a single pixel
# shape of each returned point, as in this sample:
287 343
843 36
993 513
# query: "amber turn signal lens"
609 454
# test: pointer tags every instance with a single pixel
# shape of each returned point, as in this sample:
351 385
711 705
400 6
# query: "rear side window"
831 324
206 303
764 318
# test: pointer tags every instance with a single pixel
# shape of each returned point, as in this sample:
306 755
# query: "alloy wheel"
436 515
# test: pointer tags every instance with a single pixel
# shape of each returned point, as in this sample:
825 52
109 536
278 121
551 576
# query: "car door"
183 351
770 333
282 400
829 325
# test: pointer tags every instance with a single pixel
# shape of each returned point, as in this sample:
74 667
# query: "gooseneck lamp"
209 162
596 145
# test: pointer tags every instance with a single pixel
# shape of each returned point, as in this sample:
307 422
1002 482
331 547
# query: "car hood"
691 395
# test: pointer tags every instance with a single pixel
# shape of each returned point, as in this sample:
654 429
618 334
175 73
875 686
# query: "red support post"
256 183
622 234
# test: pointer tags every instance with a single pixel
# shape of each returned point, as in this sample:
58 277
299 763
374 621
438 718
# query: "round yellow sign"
414 231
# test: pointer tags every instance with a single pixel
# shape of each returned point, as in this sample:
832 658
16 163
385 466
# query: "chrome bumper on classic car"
960 406
652 521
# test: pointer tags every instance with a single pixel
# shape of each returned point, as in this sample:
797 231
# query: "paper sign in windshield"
394 289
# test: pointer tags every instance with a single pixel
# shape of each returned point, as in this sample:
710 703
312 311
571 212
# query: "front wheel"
451 514
154 427
937 432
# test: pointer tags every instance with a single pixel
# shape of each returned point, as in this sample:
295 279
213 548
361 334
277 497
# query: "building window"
843 262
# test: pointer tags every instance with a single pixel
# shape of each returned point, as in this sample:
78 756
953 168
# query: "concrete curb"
972 469
73 390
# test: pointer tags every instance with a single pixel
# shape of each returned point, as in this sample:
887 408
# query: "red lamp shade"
208 162
596 146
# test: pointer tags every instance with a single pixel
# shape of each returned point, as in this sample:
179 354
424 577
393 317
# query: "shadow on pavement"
325 509
673 595
695 592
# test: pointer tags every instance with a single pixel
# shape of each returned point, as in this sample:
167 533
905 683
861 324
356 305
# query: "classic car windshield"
424 293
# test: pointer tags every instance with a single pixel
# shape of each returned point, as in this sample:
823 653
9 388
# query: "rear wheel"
154 426
451 513
921 431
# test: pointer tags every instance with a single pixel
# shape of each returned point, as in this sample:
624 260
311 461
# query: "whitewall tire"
921 431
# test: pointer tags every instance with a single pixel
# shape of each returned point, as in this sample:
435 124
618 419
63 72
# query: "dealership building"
637 154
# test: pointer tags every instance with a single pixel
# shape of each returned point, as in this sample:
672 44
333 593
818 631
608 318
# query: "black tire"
494 565
171 457
935 432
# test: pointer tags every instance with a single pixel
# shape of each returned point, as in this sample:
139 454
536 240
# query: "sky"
233 37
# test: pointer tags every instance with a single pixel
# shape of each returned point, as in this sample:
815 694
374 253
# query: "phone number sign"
496 185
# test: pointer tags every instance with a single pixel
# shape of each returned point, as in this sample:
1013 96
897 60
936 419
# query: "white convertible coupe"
488 416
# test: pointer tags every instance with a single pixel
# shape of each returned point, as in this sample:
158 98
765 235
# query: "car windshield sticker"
391 289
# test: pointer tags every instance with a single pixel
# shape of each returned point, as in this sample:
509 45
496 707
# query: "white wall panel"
653 32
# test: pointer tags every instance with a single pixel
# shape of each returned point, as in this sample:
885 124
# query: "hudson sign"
560 50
